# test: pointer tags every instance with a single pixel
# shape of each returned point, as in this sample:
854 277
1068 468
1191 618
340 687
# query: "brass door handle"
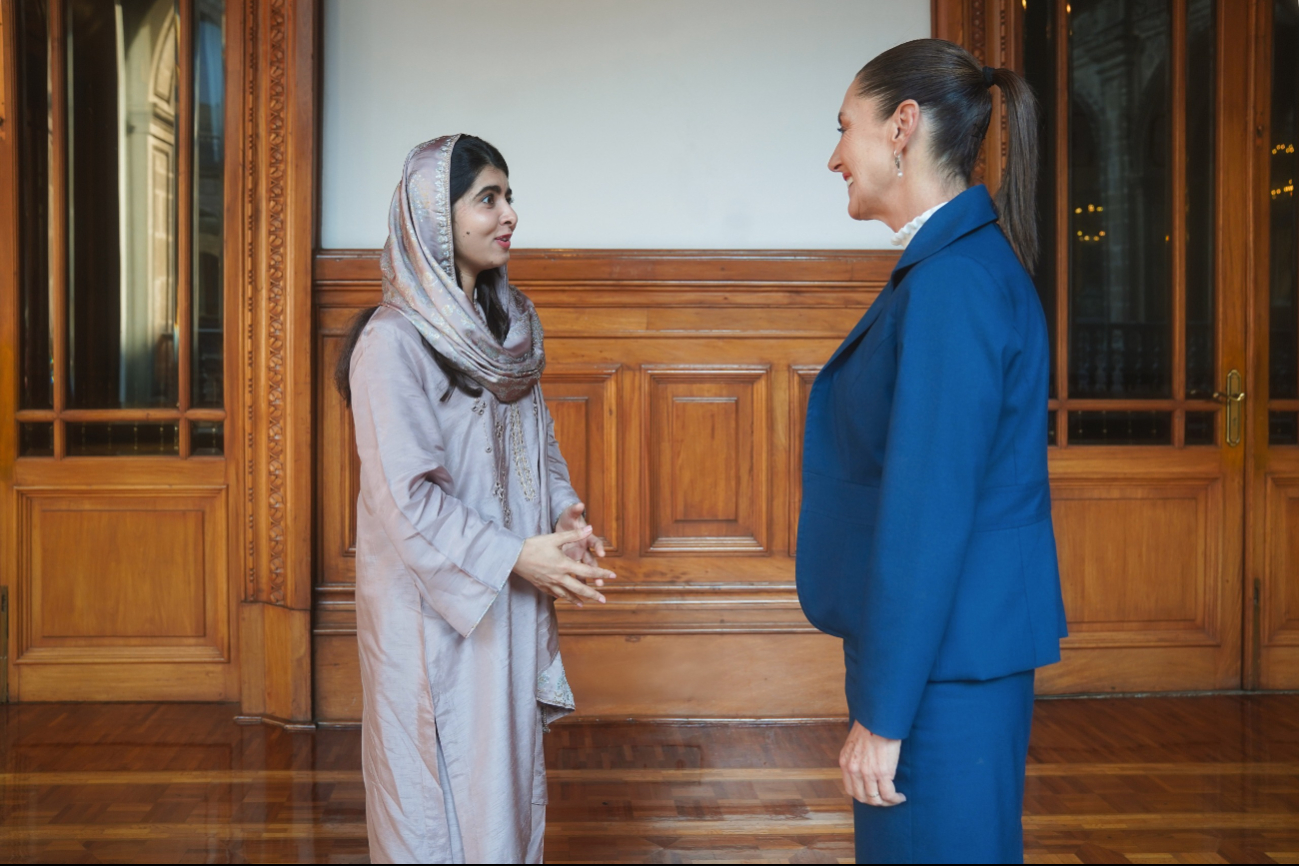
1233 398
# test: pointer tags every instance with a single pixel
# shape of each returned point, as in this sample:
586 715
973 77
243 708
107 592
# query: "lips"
504 240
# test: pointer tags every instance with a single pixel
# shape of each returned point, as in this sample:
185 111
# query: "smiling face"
864 156
484 221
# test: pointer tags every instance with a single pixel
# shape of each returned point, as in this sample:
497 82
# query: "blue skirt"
962 770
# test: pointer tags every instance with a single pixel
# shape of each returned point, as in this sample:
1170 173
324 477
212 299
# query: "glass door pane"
1119 190
122 107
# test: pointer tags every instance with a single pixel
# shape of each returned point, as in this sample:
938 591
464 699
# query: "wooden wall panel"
1144 537
125 593
583 401
678 383
707 459
1160 533
1277 594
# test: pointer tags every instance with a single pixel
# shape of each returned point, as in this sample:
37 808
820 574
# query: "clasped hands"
869 762
562 563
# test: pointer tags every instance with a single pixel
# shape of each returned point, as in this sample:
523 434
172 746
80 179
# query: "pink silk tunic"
459 659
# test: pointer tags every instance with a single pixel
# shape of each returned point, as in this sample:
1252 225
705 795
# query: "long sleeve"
459 560
953 329
562 494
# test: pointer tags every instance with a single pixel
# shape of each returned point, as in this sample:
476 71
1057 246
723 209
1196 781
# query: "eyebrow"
492 188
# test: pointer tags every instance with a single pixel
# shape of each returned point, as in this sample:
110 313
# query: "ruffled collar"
903 237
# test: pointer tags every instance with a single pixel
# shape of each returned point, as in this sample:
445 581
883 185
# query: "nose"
836 163
509 217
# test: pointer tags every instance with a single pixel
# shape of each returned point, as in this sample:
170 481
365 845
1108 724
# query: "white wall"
700 124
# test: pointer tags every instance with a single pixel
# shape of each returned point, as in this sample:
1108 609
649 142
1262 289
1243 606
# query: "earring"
897 162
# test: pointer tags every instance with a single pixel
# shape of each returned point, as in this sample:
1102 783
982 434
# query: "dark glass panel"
1119 189
1051 438
1039 69
1283 428
36 440
1201 345
122 149
1120 428
1283 323
207 439
122 439
1201 428
32 137
209 201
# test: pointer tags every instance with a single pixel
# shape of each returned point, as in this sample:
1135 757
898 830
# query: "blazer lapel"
864 324
969 211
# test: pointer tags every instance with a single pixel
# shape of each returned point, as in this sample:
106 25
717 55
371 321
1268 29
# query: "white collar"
903 237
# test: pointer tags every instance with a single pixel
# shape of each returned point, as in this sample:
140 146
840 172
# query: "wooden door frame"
275 43
270 224
987 29
8 308
1272 646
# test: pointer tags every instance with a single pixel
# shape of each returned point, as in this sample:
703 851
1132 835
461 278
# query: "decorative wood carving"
278 160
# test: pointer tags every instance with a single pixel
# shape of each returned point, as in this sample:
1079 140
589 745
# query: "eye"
839 129
489 199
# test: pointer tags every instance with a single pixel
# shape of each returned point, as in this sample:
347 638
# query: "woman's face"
864 156
484 221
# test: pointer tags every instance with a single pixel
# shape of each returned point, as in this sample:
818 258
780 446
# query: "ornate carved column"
985 28
275 44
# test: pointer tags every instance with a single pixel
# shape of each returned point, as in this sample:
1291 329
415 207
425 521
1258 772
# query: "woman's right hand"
543 563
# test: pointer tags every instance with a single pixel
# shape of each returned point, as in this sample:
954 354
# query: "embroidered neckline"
904 235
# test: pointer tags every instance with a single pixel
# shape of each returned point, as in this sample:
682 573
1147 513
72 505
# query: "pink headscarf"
418 265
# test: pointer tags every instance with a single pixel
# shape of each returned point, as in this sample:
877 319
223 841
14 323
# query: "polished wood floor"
1152 780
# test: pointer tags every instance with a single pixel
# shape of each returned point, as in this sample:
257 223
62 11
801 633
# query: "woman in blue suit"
925 540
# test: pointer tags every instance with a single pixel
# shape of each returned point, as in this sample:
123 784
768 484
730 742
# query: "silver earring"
897 162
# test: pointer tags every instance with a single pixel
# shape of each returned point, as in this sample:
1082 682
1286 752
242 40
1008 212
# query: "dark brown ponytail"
952 90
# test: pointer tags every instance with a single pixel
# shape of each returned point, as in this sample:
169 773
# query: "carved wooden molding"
277 40
277 160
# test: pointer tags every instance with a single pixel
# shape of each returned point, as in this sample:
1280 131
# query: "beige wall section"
672 124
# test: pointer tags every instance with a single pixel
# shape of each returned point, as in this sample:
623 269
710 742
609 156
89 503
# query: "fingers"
570 536
581 591
583 571
597 544
889 795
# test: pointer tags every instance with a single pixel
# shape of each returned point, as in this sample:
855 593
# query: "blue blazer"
925 539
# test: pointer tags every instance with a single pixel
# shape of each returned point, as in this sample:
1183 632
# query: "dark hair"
468 159
953 91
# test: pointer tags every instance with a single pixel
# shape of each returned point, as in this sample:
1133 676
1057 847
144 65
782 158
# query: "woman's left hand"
574 517
869 763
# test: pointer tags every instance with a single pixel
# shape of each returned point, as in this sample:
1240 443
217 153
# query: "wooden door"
1272 590
114 483
1144 214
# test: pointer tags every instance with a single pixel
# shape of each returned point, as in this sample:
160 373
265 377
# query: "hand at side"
869 763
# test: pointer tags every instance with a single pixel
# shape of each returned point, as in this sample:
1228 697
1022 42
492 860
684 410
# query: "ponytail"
1017 195
952 90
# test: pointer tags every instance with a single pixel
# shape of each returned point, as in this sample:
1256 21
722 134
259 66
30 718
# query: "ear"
904 123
